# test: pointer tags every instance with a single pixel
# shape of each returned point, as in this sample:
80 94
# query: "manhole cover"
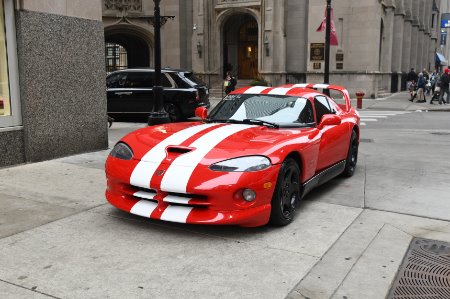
368 140
441 133
425 271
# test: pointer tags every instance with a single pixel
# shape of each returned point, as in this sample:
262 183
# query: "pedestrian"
230 83
445 80
421 83
436 89
411 78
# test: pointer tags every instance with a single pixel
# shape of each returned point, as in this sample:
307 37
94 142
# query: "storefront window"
5 100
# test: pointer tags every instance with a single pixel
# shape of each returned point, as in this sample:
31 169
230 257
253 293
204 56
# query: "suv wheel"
173 111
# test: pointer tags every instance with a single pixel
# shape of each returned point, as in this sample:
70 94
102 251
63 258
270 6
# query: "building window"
116 57
10 110
5 98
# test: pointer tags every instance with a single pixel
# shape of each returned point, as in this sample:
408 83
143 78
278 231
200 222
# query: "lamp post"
326 78
158 115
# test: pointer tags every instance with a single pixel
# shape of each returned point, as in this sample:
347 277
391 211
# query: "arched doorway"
125 48
240 46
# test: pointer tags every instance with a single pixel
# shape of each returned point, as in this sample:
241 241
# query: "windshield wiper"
228 121
260 122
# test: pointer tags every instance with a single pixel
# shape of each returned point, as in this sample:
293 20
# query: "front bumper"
213 198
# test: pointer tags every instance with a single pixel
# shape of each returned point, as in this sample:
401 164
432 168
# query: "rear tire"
174 112
352 156
286 194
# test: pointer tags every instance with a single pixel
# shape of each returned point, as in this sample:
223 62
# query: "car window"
116 80
165 82
282 110
194 79
139 80
322 107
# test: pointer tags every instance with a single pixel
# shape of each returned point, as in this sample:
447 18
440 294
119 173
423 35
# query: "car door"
137 98
332 142
115 89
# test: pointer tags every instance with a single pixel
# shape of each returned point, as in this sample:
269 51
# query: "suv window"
194 79
116 80
139 80
322 107
165 82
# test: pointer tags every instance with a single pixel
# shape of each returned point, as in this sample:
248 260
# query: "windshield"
281 110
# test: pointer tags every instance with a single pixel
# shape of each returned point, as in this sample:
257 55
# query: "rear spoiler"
337 88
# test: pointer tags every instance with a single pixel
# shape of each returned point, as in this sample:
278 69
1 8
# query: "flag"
323 26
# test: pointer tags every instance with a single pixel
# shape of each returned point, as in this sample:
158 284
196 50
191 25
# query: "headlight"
242 164
122 151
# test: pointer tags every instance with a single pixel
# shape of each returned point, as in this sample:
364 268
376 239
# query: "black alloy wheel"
352 156
173 111
286 194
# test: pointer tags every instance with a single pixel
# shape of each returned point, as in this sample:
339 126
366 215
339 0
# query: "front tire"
352 156
286 194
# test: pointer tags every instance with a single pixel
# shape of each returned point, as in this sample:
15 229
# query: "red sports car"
248 162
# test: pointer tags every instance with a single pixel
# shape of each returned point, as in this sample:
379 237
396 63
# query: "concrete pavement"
60 239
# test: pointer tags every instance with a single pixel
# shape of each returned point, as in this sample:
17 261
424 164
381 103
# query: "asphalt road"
60 239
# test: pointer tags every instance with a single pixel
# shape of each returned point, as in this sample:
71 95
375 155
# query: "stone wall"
62 84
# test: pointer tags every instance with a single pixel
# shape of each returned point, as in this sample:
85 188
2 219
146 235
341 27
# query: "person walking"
436 88
229 83
421 83
445 81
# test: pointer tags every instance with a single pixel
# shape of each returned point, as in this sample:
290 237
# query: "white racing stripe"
300 85
145 195
178 174
323 86
143 208
280 91
256 89
145 169
176 199
176 214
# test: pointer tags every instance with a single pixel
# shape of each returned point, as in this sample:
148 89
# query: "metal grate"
425 271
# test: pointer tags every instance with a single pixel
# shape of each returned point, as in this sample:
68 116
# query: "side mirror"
201 112
329 120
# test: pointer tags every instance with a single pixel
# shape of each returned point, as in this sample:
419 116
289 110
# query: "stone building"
379 40
52 79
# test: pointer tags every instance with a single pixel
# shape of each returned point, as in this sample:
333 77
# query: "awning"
440 59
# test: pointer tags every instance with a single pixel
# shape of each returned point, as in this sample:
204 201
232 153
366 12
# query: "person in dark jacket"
445 81
421 83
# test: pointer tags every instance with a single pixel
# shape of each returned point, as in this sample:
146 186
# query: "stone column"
397 44
415 36
386 60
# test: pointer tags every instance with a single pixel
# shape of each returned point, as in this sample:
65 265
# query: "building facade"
52 87
379 40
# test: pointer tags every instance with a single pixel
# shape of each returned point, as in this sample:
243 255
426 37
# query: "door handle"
124 93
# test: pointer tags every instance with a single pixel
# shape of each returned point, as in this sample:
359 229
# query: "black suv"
130 92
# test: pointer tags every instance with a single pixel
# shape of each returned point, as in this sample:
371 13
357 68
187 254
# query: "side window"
322 107
116 80
166 82
139 80
306 115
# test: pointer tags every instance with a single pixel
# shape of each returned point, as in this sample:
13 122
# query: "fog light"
249 195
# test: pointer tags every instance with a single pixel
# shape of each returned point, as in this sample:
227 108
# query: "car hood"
188 144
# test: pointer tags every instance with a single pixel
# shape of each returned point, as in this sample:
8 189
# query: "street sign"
445 20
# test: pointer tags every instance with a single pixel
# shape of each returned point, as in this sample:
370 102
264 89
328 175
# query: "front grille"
193 200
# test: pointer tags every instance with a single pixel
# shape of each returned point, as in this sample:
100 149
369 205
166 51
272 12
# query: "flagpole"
326 77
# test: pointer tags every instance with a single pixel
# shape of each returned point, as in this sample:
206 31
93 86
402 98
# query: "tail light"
197 96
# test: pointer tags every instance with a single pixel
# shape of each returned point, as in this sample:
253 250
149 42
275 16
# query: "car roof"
147 69
300 90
